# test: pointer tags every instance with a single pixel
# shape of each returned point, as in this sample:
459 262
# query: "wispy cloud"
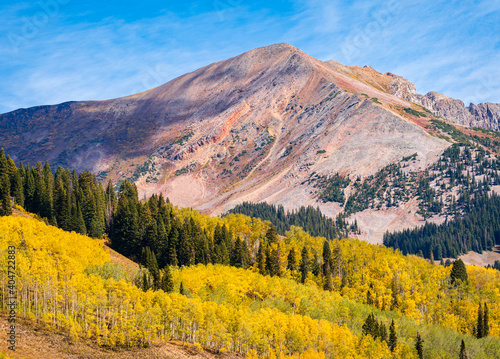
448 46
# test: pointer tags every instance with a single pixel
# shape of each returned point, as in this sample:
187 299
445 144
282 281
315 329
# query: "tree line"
477 230
311 219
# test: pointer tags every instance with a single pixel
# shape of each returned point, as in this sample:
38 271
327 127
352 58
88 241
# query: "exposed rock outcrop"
485 115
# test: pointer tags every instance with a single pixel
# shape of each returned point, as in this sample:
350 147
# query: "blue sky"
53 51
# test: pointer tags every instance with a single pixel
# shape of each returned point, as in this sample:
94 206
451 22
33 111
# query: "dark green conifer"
382 332
261 259
172 247
304 264
245 254
236 253
458 272
184 253
327 258
5 203
480 324
486 322
463 352
393 339
419 346
80 223
182 290
272 235
29 190
167 284
269 262
291 260
369 327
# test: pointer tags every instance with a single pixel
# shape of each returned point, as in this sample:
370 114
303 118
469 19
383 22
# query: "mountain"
485 115
267 125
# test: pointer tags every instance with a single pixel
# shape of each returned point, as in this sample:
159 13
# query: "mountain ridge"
254 127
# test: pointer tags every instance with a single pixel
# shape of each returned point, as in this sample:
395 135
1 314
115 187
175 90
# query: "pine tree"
236 255
80 223
382 332
419 346
393 339
291 260
480 325
261 260
327 258
272 235
182 290
269 262
29 190
166 284
245 254
185 250
369 326
458 272
172 247
463 352
5 205
17 189
47 209
327 267
304 265
486 322
275 261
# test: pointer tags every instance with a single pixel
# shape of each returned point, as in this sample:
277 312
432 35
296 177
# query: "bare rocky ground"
487 257
35 341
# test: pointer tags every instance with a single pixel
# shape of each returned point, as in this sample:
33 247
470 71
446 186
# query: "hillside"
271 125
38 338
240 310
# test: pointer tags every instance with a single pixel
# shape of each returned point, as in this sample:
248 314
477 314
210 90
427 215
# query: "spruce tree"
182 290
5 205
419 346
29 190
382 332
275 261
463 352
480 325
291 260
236 255
304 264
166 284
261 259
458 272
327 267
17 189
80 223
486 322
269 262
393 339
327 258
369 327
185 250
272 235
245 254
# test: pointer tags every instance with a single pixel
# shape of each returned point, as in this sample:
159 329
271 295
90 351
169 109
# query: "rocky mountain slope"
251 128
485 115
